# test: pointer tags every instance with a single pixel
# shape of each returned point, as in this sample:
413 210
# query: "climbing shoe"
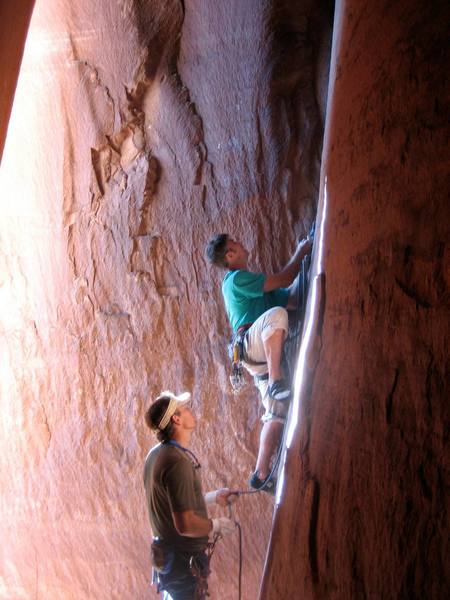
268 484
279 390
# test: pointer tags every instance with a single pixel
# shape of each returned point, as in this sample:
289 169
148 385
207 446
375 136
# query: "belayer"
256 306
177 508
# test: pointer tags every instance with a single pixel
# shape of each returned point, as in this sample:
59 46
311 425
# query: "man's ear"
175 419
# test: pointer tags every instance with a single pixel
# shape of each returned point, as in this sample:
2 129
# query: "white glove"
223 526
210 497
223 497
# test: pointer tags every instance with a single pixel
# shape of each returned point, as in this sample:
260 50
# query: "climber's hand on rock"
305 245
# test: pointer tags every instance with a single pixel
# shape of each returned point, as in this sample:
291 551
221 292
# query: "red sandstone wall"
139 129
366 502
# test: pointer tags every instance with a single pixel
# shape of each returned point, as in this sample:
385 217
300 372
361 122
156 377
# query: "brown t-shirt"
172 484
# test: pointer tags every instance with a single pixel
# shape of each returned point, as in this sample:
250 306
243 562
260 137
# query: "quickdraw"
200 570
236 354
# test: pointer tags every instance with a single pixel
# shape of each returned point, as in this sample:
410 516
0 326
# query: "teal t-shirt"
245 298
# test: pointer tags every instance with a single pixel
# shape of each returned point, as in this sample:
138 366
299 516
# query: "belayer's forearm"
190 524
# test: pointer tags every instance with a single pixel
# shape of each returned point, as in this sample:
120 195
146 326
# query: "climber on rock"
256 307
176 506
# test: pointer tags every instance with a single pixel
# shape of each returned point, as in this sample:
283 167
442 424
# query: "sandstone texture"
365 501
139 129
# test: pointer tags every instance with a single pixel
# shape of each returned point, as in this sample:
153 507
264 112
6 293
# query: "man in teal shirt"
257 302
245 299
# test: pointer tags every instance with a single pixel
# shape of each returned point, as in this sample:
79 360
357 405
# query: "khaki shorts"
259 332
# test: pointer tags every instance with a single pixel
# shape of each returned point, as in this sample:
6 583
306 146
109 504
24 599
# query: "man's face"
187 419
235 252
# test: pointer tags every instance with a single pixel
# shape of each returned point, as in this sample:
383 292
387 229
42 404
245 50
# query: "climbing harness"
200 570
236 352
164 559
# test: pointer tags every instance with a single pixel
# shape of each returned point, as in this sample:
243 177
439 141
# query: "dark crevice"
312 535
390 398
412 294
426 490
358 580
428 387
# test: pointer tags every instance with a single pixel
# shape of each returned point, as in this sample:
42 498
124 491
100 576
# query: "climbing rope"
239 528
238 525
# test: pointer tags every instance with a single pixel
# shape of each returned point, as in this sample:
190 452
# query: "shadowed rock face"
139 130
366 496
14 19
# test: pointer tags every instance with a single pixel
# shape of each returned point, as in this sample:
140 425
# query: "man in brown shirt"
176 506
